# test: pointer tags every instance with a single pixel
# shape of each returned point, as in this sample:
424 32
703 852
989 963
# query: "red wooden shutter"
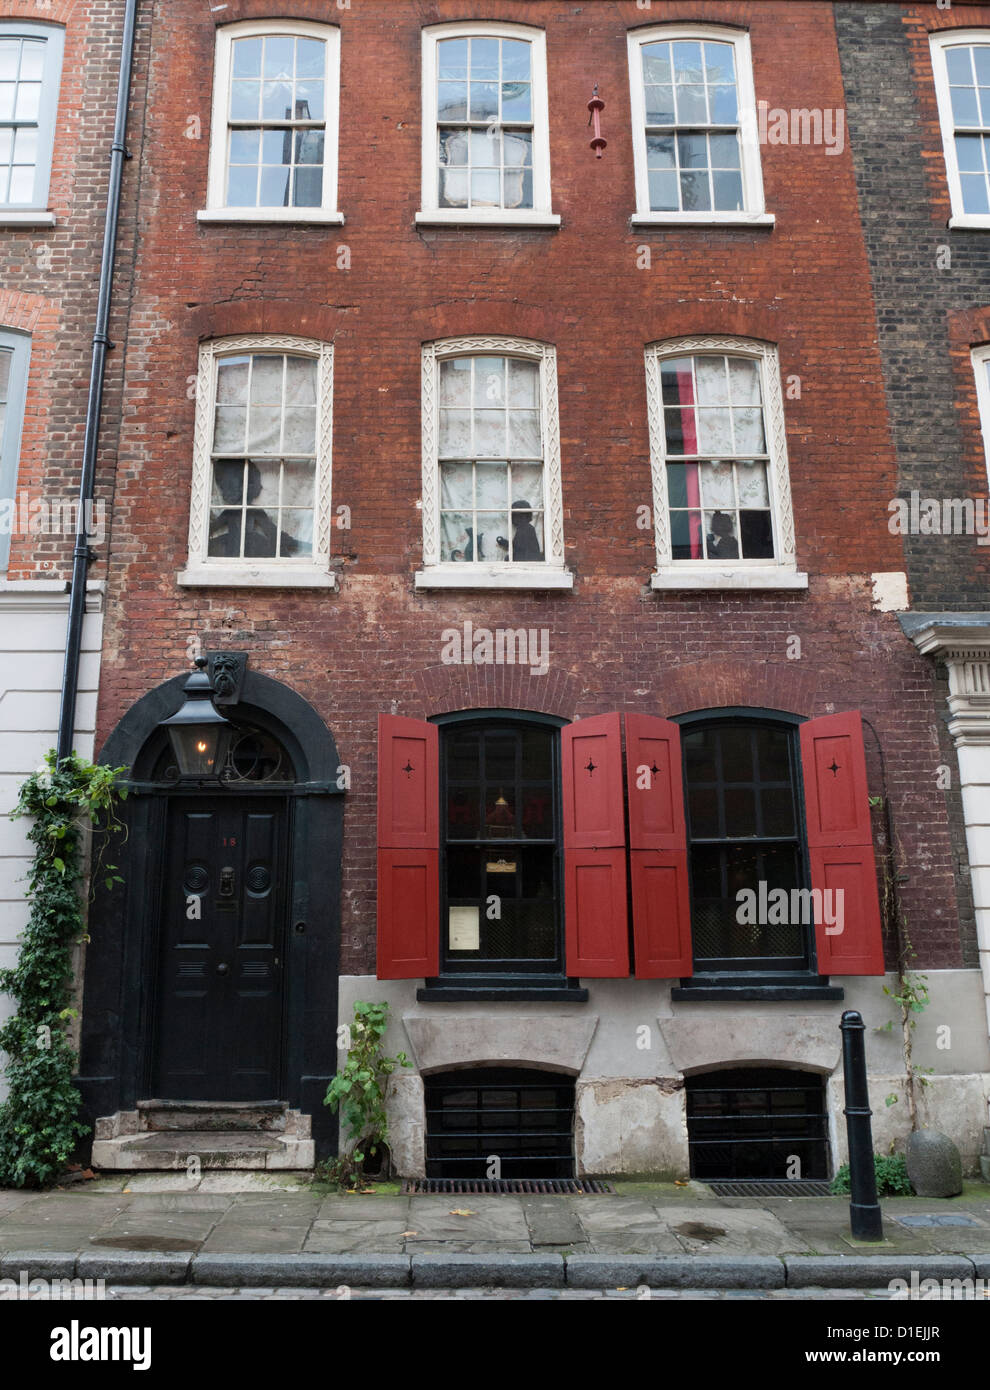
658 849
408 849
597 928
840 845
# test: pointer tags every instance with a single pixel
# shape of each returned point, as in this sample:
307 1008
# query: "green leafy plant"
39 1123
911 992
892 1177
359 1092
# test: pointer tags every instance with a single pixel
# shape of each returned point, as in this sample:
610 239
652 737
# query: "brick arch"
24 311
60 12
717 683
493 318
444 689
969 328
320 11
300 318
958 17
717 320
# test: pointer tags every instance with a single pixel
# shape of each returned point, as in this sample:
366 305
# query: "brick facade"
375 644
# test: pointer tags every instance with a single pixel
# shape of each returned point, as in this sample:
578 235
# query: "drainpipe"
81 555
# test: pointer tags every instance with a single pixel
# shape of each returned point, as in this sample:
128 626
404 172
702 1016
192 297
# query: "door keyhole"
227 882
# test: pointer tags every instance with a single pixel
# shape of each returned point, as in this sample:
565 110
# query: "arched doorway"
211 974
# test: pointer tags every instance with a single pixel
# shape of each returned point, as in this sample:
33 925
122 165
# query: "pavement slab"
352 1237
490 1219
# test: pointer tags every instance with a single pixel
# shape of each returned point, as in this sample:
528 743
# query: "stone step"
167 1150
215 1116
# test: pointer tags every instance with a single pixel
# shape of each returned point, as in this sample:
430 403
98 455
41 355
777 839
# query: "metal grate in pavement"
755 1187
505 1186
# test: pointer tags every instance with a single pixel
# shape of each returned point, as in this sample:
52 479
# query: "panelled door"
219 1017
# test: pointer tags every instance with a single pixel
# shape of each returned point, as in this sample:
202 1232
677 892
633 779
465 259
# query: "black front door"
219 1019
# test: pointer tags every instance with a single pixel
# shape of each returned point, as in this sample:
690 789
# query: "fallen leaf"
463 1211
680 1182
127 1189
410 1233
88 1173
368 1189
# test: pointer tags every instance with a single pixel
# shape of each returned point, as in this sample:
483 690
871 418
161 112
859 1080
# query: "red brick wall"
50 277
613 644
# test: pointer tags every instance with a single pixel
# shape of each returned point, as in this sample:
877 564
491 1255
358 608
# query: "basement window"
499 1122
757 1122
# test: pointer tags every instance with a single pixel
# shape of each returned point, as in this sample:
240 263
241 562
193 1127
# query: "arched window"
752 910
500 871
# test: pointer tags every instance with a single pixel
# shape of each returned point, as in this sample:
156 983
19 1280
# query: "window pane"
656 62
974 191
728 194
5 360
298 479
245 100
981 62
276 101
295 533
695 192
659 105
456 486
300 381
300 430
712 380
492 483
692 151
266 380
692 108
246 55
959 64
516 101
457 536
524 434
310 58
724 151
229 429
308 187
484 57
720 64
703 812
28 101
524 383
964 108
452 57
756 530
21 184
660 152
484 101
724 105
489 381
9 59
245 146
452 101
264 429
242 186
309 105
7 93
455 433
751 484
714 431
516 60
455 382
717 485
489 434
748 427
232 380
744 380
687 62
663 191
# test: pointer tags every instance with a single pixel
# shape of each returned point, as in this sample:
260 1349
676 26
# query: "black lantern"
198 733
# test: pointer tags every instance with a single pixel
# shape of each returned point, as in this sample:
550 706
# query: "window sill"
729 993
702 219
261 216
28 217
759 577
499 576
507 994
971 221
500 217
256 577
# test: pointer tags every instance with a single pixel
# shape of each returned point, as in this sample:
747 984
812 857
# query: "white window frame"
780 573
954 38
288 572
19 346
480 574
755 213
541 213
216 209
981 366
35 213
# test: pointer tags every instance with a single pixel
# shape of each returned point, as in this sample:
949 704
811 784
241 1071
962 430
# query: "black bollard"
865 1216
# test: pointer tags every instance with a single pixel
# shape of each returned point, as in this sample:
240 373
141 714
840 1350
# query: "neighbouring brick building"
59 65
917 83
531 509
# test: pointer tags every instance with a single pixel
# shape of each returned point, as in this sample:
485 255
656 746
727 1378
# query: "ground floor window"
499 1122
757 1122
